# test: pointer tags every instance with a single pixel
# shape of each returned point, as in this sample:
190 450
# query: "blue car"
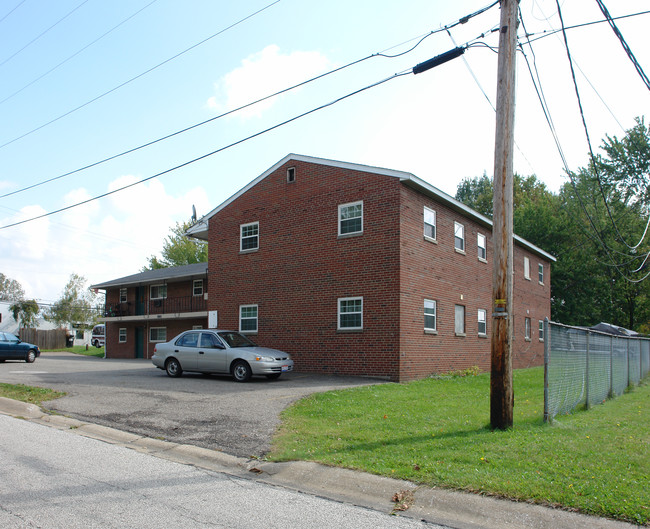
11 348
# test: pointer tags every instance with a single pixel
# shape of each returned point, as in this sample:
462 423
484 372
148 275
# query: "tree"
25 311
179 250
10 289
75 306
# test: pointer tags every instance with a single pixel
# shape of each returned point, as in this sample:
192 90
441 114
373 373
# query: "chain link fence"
583 367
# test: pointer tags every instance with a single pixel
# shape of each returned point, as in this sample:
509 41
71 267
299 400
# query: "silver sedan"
217 351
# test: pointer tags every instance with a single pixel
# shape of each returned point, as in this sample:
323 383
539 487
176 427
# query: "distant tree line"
597 228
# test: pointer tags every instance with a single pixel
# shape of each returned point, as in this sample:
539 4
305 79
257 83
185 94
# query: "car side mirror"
218 346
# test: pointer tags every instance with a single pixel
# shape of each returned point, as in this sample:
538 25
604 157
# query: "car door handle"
201 353
176 350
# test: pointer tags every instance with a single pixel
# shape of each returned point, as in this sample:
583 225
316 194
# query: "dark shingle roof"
173 273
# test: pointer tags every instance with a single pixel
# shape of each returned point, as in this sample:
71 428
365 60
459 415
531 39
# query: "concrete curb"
452 509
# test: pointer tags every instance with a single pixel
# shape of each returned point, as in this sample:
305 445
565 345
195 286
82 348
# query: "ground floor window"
459 320
482 323
350 313
158 334
541 330
248 318
122 335
527 329
429 315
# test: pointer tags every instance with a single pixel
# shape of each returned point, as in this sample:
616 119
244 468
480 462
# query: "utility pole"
501 393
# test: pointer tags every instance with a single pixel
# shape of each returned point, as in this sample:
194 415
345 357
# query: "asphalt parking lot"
203 410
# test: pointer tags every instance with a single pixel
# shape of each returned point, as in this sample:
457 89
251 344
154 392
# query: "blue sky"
437 125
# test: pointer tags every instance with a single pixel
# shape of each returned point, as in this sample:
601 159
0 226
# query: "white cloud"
264 73
102 240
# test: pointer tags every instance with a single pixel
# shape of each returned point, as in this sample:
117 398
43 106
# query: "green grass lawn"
80 350
29 394
436 432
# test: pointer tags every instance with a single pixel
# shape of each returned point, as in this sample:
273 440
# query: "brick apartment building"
359 270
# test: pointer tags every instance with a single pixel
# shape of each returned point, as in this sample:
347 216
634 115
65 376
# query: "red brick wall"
438 272
302 267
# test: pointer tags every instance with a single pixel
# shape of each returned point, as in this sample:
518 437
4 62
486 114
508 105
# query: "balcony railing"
157 306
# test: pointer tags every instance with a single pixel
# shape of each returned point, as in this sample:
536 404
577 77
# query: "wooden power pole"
501 394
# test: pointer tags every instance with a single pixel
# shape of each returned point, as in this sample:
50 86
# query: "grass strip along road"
436 432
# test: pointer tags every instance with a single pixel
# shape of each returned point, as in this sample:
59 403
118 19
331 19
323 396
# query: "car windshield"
234 339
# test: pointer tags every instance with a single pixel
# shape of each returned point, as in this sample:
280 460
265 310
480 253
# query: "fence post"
611 366
547 339
587 374
629 382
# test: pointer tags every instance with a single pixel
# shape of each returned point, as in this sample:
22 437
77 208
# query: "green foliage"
31 394
25 311
436 432
10 289
596 277
77 305
179 250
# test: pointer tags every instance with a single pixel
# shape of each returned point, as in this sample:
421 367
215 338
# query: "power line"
627 49
137 76
76 53
210 120
43 33
10 12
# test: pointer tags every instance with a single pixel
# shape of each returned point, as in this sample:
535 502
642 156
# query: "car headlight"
264 358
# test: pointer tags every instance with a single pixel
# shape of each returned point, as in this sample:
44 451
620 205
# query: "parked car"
11 348
219 351
99 334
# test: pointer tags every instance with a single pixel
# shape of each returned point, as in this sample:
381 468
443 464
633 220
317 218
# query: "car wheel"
173 368
273 376
96 343
31 356
241 371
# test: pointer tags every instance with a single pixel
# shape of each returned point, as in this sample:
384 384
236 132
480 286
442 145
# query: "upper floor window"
429 224
350 313
249 236
248 318
429 315
540 273
197 287
351 218
482 247
291 175
158 292
526 268
459 237
122 295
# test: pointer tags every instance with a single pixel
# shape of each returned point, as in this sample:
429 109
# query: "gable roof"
197 270
200 229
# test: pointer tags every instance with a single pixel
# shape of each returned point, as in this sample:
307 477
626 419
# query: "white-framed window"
430 315
429 224
482 322
351 218
541 330
459 320
459 236
158 334
481 243
249 236
197 327
197 287
540 273
291 175
122 335
122 295
527 268
158 292
527 329
247 318
350 313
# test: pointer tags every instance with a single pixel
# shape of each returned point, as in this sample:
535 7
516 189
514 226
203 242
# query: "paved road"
52 479
209 411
